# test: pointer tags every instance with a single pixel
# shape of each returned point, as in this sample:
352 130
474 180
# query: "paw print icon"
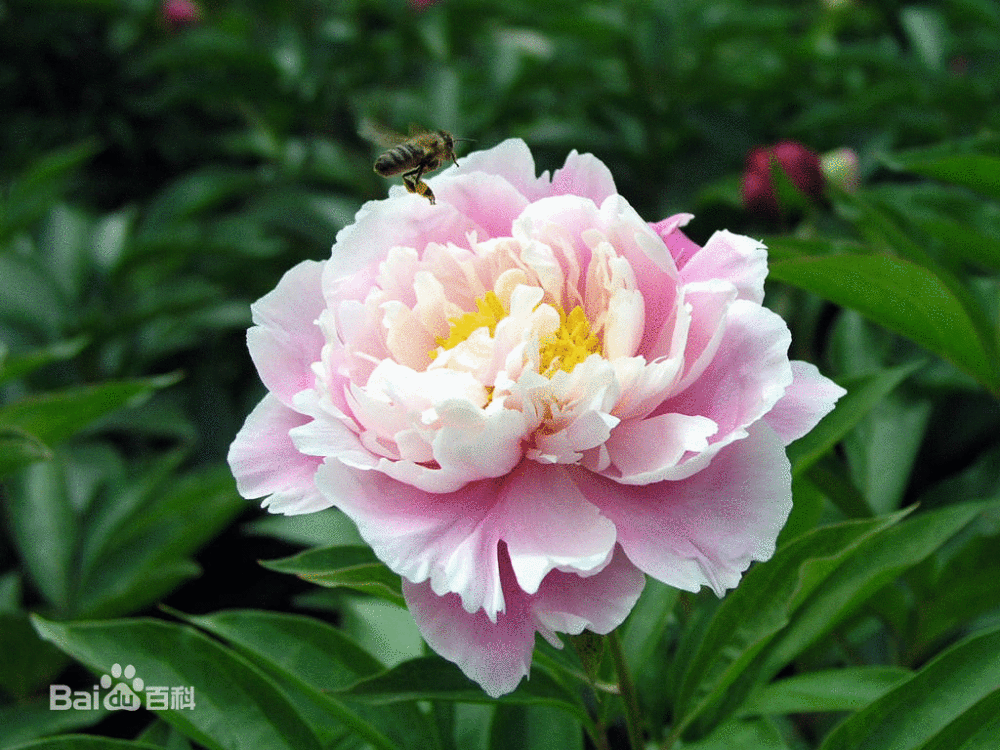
122 697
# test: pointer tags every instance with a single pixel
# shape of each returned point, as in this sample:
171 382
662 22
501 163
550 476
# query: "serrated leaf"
354 567
236 705
903 297
956 685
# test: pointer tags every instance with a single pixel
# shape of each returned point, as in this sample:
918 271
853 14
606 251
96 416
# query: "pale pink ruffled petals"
404 221
747 375
567 603
681 248
510 160
449 539
584 175
646 450
807 400
550 526
265 462
740 260
497 655
494 203
706 529
286 340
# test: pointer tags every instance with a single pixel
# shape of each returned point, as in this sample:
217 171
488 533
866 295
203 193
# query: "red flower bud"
179 14
798 162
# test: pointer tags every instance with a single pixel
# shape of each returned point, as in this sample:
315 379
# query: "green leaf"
20 365
18 449
534 728
753 734
846 689
195 193
138 541
979 172
354 567
864 393
952 698
45 531
85 742
432 678
25 721
753 615
236 706
876 561
29 663
312 660
316 652
52 417
331 528
905 298
34 191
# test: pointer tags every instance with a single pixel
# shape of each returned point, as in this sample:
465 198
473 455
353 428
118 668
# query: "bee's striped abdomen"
397 159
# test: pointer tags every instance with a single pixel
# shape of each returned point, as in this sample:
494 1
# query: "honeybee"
417 155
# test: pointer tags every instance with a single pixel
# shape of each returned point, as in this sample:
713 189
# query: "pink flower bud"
798 162
179 14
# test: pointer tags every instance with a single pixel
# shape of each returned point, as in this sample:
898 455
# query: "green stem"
633 719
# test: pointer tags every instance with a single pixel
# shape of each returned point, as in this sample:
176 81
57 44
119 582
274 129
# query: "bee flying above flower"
414 156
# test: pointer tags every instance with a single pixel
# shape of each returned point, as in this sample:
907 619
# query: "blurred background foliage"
158 173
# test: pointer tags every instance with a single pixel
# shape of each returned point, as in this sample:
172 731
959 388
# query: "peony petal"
642 450
265 462
568 603
735 258
497 655
449 539
510 160
286 340
681 248
807 400
706 529
549 525
406 221
493 203
584 175
747 375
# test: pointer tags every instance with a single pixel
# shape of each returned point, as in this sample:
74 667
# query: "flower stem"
633 719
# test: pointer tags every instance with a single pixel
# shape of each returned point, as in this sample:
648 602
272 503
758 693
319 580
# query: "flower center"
564 349
489 312
569 345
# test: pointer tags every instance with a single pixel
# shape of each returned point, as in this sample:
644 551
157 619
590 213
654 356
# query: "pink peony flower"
526 397
798 162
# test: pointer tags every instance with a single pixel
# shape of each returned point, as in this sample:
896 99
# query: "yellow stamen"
569 345
489 312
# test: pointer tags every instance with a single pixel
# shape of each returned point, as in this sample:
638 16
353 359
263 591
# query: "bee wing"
379 134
